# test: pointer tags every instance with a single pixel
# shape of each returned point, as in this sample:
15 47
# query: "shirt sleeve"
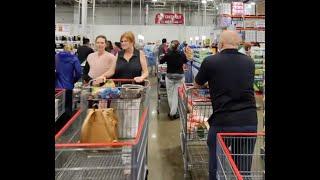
184 58
78 70
86 70
164 59
202 76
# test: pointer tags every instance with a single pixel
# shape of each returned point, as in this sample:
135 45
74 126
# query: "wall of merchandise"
247 18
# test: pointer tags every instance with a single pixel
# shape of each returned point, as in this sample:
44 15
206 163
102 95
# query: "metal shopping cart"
122 160
238 156
161 77
59 102
194 108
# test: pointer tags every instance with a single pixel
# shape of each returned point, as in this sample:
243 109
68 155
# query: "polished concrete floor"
164 151
165 158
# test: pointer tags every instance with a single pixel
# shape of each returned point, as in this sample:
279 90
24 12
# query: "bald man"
230 76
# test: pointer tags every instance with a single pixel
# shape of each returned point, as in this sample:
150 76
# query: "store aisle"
164 152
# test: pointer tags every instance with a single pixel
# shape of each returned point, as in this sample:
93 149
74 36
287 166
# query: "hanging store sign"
169 18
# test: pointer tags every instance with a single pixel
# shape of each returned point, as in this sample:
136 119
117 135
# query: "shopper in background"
247 48
163 48
68 72
230 75
84 50
116 48
109 46
130 62
174 77
99 61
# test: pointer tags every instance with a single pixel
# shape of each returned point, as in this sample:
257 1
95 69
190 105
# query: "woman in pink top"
99 61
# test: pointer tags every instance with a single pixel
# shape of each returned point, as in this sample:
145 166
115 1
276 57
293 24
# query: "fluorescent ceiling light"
154 0
203 1
209 0
253 3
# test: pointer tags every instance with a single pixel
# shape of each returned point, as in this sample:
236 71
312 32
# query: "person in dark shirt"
116 48
163 48
230 76
84 50
109 47
174 77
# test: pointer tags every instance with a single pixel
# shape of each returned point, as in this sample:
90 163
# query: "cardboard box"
237 8
249 9
225 8
260 8
260 36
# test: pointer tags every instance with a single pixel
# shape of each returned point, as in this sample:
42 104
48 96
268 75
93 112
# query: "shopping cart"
59 102
122 160
161 77
194 105
238 156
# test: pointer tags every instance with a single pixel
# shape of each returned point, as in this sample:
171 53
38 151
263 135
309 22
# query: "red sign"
169 18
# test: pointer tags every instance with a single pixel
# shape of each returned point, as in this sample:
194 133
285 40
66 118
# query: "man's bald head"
229 39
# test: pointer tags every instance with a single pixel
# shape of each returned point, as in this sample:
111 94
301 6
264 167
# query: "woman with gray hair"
175 76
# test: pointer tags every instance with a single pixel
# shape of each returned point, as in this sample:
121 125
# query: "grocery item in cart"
129 91
128 112
195 122
100 126
108 84
106 93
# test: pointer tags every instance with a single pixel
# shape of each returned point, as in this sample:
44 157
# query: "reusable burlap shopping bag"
100 126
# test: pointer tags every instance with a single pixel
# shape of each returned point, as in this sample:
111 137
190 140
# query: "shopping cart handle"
146 82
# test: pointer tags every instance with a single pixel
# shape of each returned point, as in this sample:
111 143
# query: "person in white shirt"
99 61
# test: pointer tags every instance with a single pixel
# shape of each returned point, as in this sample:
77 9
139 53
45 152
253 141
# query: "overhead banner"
169 18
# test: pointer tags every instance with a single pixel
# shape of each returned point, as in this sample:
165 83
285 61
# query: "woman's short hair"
175 44
68 47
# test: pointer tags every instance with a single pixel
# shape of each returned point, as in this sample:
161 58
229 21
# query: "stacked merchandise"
199 54
244 18
257 55
225 8
60 40
148 50
237 8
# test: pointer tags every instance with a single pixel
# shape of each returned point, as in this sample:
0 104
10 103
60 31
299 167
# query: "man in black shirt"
230 76
84 50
